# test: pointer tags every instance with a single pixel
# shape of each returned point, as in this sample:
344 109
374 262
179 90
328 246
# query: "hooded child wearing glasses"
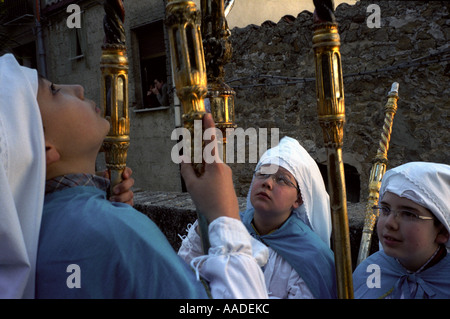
288 210
413 228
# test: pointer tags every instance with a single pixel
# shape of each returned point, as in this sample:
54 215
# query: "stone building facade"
18 31
73 56
272 72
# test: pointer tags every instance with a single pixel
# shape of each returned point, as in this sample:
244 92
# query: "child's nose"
391 221
78 91
268 182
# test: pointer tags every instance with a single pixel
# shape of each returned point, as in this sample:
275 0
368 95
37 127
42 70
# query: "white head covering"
426 184
315 210
22 178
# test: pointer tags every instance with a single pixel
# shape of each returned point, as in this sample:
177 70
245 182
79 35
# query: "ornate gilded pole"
114 67
188 62
376 173
218 52
331 109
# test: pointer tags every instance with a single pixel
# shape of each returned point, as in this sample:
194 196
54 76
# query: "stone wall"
264 55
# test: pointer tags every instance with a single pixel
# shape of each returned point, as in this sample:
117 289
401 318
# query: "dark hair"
436 221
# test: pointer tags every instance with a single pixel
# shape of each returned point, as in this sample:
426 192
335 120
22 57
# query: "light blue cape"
303 250
119 251
432 283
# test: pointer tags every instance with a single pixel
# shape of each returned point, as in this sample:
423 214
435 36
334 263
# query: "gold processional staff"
114 69
189 70
331 109
218 52
376 173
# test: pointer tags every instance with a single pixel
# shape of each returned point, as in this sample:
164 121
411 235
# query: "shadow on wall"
352 181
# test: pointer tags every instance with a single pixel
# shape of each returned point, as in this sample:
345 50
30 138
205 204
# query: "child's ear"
443 235
51 153
298 202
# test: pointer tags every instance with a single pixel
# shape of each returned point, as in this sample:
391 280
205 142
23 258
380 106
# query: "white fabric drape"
232 266
22 178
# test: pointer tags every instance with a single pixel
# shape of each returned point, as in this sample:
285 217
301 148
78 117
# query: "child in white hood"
288 210
413 228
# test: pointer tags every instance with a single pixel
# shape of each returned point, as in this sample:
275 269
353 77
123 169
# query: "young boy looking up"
413 228
73 129
90 247
22 178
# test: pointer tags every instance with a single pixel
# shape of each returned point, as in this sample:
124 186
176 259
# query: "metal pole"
218 52
376 173
331 109
114 67
188 61
40 41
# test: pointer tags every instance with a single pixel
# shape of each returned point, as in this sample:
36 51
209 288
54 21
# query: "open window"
152 58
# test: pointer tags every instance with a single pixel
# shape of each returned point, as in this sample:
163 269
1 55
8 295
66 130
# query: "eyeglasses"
279 178
404 214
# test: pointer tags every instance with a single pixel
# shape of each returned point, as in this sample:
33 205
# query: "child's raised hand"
213 192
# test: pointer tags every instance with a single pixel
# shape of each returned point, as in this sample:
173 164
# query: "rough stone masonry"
410 47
